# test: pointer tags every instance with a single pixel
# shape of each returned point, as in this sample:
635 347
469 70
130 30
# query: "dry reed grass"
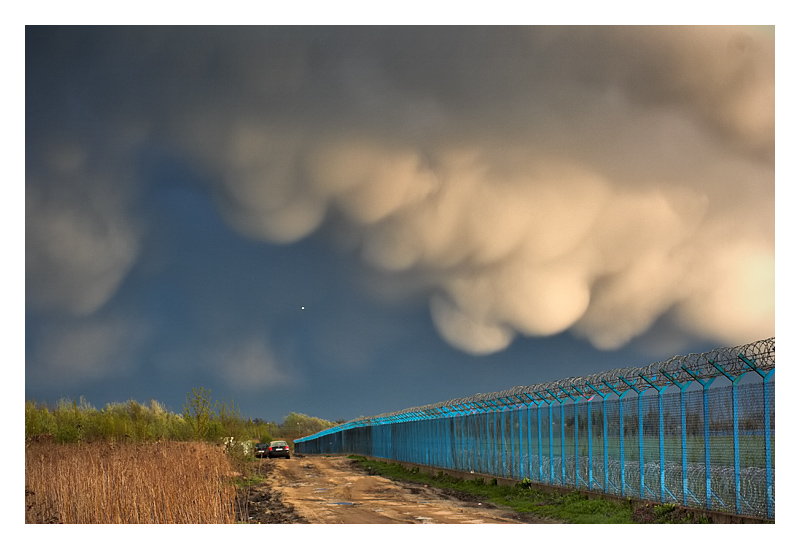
100 483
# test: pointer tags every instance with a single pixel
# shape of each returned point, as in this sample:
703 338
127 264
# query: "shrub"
132 421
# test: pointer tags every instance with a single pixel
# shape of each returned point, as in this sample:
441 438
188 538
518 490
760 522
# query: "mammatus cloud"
80 240
530 180
608 203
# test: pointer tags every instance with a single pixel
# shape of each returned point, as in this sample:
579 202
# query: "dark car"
278 448
261 449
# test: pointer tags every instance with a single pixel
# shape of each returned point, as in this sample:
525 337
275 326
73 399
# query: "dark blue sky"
345 222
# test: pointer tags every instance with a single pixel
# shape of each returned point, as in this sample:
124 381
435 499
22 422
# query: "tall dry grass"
100 483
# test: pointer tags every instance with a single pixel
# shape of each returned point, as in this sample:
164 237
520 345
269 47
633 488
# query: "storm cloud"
524 180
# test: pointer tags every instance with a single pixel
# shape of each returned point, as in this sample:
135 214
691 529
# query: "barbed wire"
730 362
731 436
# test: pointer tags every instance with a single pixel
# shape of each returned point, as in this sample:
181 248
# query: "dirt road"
332 490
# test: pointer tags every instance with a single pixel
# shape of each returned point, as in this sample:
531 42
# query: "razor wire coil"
711 449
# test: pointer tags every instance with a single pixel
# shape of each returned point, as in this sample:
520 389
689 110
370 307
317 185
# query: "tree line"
201 420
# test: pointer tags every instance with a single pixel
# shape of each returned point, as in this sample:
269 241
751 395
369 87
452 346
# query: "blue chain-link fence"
660 433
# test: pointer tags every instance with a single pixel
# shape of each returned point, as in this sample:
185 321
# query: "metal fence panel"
660 433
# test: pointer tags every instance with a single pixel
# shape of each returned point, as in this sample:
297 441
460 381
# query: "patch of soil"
331 490
260 504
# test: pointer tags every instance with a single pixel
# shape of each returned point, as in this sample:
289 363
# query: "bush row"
131 421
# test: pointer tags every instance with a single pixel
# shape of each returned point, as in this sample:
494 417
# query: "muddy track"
333 490
261 504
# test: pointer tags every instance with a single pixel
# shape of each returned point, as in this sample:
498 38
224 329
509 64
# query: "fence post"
550 430
641 432
409 431
418 435
478 410
440 438
464 438
437 437
433 430
472 449
453 446
603 396
388 426
429 435
660 390
589 433
530 452
447 447
467 445
405 437
457 442
539 434
425 426
488 453
473 409
494 437
408 436
620 395
503 435
519 418
530 439
496 440
563 454
734 395
574 432
706 430
514 453
765 376
476 417
684 459
478 453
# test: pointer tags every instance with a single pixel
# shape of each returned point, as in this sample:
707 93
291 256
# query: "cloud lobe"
532 180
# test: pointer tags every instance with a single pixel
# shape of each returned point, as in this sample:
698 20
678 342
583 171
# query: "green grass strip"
573 508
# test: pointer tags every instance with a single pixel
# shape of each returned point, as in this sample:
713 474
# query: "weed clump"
667 513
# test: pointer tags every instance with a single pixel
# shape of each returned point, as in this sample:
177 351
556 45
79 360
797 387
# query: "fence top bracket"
729 362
